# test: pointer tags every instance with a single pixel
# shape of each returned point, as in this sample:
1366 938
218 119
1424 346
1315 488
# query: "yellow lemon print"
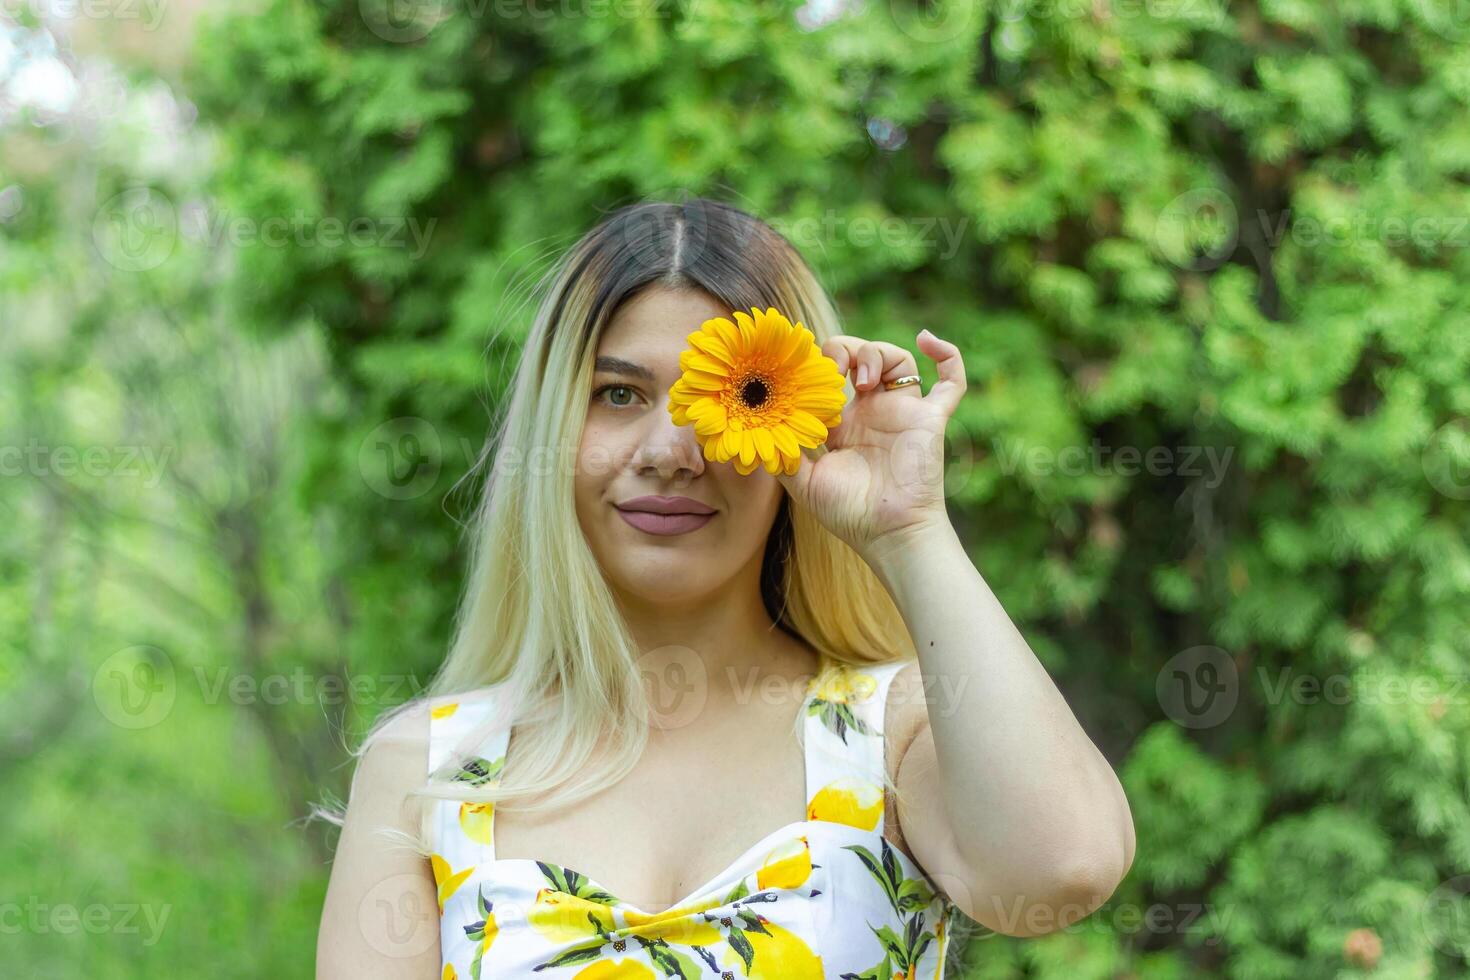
446 878
683 924
846 686
564 918
779 954
449 973
444 710
620 970
939 941
477 820
787 866
855 802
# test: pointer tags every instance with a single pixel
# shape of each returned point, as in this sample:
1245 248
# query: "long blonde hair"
537 615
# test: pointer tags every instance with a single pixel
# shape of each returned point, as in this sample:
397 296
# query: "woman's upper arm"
381 916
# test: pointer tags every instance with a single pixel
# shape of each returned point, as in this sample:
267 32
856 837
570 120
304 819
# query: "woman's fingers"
950 387
869 362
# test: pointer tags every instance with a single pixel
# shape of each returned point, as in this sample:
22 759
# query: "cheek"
598 459
753 499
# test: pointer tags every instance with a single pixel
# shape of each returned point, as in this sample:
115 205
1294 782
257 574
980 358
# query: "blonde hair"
537 615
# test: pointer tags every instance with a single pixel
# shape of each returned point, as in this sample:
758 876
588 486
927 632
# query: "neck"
726 638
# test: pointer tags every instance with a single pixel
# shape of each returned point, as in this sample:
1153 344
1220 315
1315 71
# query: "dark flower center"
754 393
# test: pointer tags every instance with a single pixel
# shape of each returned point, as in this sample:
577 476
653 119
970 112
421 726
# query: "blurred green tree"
1208 267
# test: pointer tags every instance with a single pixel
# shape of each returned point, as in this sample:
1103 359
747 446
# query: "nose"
671 451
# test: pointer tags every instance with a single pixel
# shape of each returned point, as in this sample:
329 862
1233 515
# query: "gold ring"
911 379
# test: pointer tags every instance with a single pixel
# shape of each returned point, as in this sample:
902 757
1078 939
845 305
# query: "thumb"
799 483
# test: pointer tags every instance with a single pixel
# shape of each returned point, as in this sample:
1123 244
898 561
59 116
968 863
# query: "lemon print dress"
825 897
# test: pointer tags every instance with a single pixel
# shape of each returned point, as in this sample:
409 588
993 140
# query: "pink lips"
665 515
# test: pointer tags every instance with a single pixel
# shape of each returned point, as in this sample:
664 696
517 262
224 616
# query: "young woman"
703 723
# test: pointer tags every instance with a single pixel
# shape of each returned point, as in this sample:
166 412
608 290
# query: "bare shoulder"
379 862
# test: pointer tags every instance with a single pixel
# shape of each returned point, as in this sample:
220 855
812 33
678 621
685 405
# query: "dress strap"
843 735
467 744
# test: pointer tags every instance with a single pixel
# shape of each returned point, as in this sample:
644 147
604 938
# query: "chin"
656 582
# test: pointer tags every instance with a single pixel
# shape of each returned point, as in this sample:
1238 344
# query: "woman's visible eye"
618 391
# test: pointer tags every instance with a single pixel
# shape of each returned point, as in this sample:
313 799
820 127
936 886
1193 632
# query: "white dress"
827 896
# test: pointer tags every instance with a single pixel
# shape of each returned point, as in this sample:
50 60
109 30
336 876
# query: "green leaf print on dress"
730 937
833 692
910 898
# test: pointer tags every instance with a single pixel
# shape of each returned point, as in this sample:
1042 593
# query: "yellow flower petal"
693 360
819 402
809 430
702 381
785 440
747 450
730 444
757 389
765 445
747 327
710 343
711 420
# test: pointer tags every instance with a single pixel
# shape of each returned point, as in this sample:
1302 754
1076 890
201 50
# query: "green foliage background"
1232 234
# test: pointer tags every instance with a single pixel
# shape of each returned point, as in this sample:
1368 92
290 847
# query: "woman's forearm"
1030 798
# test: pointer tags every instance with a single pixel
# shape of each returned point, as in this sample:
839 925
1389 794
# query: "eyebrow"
616 365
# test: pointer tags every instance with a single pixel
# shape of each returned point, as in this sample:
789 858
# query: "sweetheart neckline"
700 890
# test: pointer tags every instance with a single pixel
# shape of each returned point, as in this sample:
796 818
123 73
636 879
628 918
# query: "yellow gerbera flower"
758 391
